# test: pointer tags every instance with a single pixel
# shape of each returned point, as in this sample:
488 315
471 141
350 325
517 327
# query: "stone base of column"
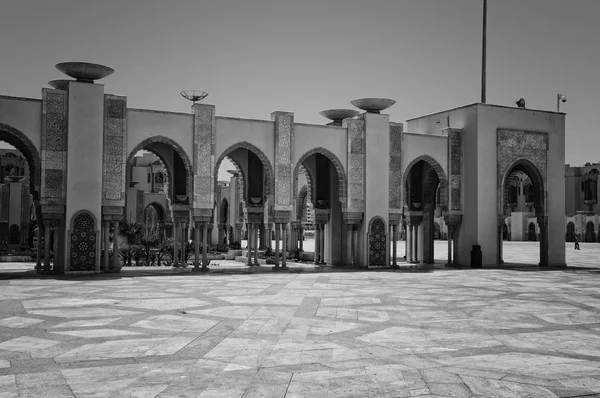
394 266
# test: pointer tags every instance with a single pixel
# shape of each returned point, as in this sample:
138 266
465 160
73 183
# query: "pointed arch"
528 168
159 139
441 176
268 167
20 141
341 173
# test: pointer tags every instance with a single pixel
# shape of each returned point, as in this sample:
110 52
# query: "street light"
559 98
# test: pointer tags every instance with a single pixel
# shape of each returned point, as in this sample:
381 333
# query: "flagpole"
483 51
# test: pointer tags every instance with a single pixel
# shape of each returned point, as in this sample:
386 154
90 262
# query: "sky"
258 56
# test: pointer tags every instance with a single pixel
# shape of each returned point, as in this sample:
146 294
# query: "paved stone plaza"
458 333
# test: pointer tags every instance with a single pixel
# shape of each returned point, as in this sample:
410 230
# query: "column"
106 244
284 227
543 223
416 236
204 247
500 243
454 244
349 242
450 230
249 228
405 241
322 244
317 243
55 241
47 227
196 246
301 237
394 245
38 263
256 228
268 227
409 243
175 242
183 244
116 261
277 232
354 244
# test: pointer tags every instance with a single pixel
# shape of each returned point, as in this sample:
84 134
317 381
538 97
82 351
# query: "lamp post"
559 98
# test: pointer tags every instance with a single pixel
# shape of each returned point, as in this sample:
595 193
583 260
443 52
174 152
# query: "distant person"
577 243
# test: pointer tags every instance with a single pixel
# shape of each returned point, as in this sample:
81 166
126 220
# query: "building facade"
368 177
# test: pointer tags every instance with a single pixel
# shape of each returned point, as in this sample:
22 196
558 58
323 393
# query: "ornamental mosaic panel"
395 168
377 242
54 146
284 136
204 148
356 164
115 148
83 243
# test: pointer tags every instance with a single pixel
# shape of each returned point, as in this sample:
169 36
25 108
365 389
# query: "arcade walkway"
459 333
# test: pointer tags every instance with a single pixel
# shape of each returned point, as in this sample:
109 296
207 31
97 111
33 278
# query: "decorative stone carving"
356 164
395 168
83 242
377 242
54 146
455 159
515 145
115 147
204 152
284 139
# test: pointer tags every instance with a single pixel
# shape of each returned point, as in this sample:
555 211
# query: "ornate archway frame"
69 252
159 139
341 173
267 167
160 209
443 180
24 145
527 151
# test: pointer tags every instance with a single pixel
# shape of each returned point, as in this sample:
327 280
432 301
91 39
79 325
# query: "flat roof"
490 105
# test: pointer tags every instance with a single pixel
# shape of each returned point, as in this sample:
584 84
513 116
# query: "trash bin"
476 257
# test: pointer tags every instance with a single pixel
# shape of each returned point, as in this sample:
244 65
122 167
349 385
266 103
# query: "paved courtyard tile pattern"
446 333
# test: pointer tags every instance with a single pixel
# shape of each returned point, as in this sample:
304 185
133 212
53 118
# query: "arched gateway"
361 174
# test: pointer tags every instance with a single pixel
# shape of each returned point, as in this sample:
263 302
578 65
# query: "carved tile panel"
356 164
115 147
516 144
54 144
204 152
395 171
284 138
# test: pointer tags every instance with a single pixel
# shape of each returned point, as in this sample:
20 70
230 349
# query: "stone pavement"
456 333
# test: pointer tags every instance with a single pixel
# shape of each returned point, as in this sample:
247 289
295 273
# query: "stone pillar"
116 260
268 228
405 241
349 244
322 244
106 244
394 245
317 244
196 246
47 230
175 242
249 227
284 246
409 243
256 227
211 226
38 262
416 236
183 243
204 247
277 232
450 230
301 237
220 233
261 239
55 241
